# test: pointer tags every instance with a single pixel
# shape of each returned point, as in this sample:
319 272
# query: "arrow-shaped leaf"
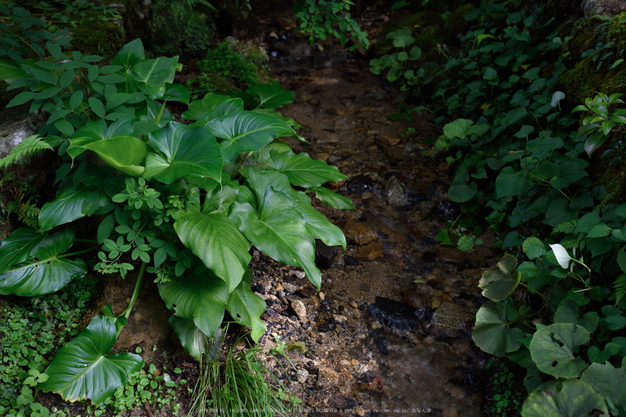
271 96
246 308
82 369
215 239
201 297
247 131
17 247
44 271
71 203
185 151
304 171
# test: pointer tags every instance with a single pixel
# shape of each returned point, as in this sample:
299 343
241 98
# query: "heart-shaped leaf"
334 200
568 313
499 283
576 398
247 131
215 239
210 102
278 230
130 54
460 191
193 340
271 96
246 308
491 332
200 297
176 92
43 271
304 171
151 75
82 369
184 151
71 203
17 247
552 349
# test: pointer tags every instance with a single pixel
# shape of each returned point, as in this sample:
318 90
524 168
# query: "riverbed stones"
451 319
604 8
300 309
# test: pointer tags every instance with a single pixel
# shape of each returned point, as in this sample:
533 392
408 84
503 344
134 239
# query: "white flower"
562 257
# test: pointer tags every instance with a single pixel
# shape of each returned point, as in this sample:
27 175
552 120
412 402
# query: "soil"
390 331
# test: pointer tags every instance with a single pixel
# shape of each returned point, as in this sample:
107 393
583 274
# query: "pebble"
340 318
300 274
326 378
302 375
290 288
263 296
354 304
300 309
376 325
321 295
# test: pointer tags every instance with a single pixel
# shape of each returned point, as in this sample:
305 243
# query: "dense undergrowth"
542 181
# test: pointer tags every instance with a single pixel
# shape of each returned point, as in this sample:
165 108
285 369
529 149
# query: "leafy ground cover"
524 166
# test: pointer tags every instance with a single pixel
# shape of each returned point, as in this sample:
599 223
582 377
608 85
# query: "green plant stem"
126 313
80 252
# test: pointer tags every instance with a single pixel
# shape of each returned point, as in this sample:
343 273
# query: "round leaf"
491 333
552 349
499 283
460 191
608 381
575 399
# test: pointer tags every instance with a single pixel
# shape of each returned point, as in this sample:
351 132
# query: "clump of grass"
241 385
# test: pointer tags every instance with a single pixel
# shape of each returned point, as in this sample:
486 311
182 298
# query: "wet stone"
325 255
300 310
358 233
381 344
326 378
290 288
396 314
451 319
394 193
453 255
371 251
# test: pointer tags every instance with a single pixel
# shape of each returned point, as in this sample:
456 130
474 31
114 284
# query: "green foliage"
184 201
28 146
321 18
182 27
30 330
241 383
223 68
506 399
557 301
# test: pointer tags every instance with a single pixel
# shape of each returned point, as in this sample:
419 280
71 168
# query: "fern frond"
29 145
610 195
565 227
619 288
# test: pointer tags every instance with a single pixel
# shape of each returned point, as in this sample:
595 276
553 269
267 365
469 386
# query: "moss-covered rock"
102 38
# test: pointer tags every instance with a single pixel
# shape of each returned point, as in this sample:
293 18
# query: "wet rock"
327 327
326 378
299 274
360 183
340 318
394 193
17 125
351 261
450 254
376 95
371 251
396 314
451 319
381 344
325 255
329 58
260 288
358 233
300 310
604 8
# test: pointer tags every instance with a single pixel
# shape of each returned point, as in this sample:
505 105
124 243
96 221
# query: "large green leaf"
151 75
609 382
96 131
215 239
130 54
82 369
303 171
271 96
17 247
200 297
568 313
552 349
334 200
209 102
569 173
183 151
125 153
499 283
491 332
71 203
575 399
11 71
247 131
192 338
246 308
44 271
511 183
316 223
279 230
